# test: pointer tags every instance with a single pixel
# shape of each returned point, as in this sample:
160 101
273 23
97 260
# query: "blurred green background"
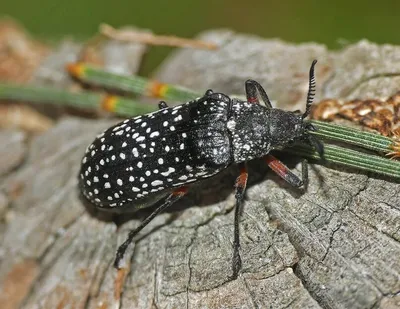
334 23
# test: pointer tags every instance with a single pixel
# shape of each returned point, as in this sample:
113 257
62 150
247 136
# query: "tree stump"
334 246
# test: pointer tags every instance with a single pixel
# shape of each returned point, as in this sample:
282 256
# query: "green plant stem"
352 136
132 84
351 158
82 99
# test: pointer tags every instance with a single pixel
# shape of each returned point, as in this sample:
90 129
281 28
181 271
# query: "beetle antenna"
311 90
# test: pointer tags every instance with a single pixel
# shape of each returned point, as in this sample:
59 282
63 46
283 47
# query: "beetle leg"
286 174
209 92
162 204
162 105
240 188
252 87
304 173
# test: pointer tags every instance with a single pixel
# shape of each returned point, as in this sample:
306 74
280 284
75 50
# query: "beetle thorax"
248 126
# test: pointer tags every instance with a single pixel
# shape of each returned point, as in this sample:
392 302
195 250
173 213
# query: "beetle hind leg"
240 189
286 174
162 204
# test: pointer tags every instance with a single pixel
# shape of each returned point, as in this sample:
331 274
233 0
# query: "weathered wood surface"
336 246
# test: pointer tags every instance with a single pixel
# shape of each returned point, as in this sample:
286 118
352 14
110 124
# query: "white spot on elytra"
107 185
178 118
139 164
134 189
154 134
156 183
131 178
170 170
122 155
119 182
160 161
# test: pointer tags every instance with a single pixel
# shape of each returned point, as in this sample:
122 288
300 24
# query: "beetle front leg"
252 87
240 189
162 205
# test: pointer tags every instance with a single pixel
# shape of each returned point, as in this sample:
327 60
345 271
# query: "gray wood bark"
335 246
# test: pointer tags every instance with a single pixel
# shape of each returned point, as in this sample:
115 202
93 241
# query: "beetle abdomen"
149 154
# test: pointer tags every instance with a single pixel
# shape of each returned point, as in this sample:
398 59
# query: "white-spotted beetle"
150 160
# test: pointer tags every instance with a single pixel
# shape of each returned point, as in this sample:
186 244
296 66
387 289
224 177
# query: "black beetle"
150 160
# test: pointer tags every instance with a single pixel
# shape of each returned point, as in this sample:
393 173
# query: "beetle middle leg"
286 174
162 204
240 188
162 105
